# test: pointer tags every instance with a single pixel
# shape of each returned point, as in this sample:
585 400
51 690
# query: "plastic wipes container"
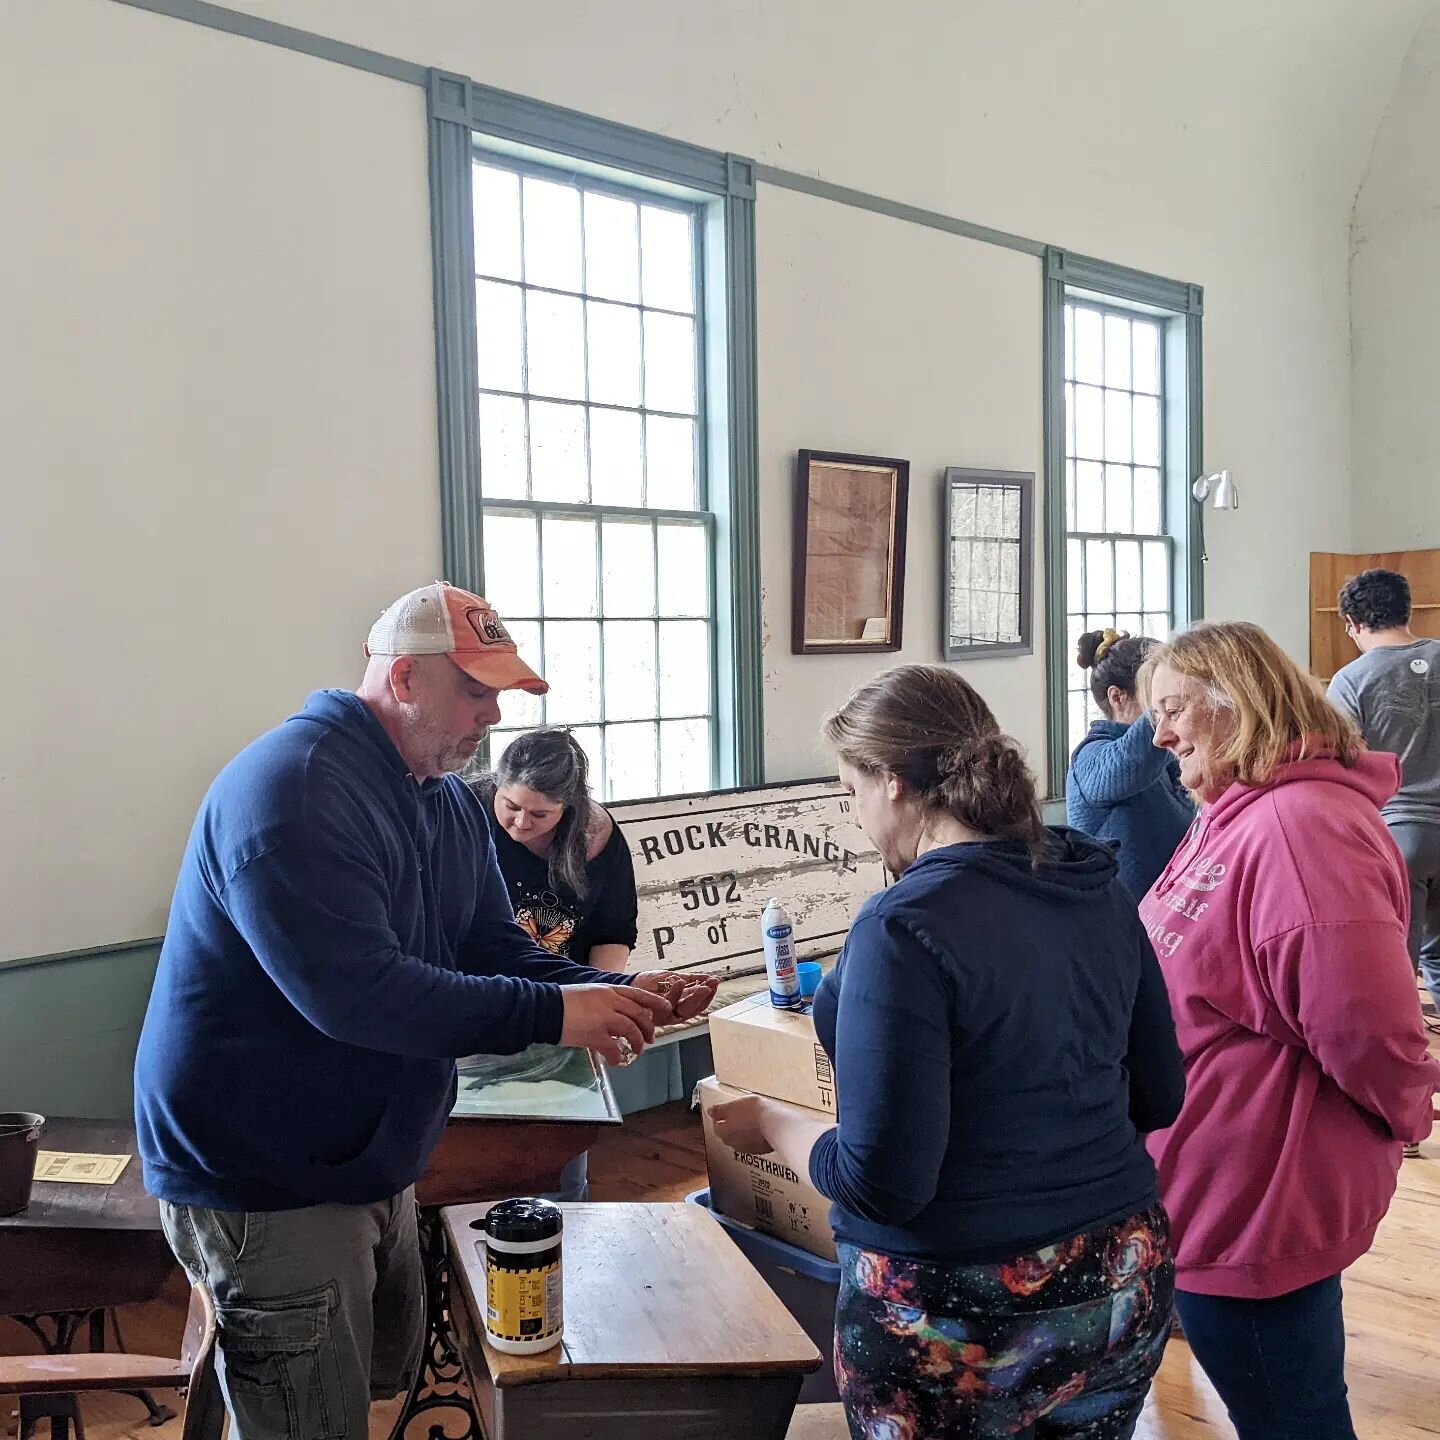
804 1284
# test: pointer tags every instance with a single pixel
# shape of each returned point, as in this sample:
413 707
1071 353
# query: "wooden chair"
194 1372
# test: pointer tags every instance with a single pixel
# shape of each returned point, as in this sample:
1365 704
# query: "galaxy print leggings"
1062 1342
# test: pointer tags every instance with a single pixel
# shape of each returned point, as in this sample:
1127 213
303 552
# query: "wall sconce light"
1221 487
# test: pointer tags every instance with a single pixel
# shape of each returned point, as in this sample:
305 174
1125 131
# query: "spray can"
779 936
523 1304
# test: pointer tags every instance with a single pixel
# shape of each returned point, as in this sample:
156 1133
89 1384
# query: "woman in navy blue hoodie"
1120 788
1001 1039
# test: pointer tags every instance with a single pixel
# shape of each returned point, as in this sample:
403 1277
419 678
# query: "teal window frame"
1180 307
463 116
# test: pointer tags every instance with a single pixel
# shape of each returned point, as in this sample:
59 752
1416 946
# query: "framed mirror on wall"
987 523
849 553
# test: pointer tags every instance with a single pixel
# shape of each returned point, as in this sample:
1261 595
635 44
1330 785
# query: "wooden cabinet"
1330 646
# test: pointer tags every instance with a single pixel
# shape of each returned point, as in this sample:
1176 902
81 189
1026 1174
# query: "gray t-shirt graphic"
1394 692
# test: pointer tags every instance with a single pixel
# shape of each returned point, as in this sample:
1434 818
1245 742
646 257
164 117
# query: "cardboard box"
772 1052
759 1190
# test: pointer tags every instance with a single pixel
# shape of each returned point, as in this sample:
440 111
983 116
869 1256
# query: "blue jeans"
1279 1365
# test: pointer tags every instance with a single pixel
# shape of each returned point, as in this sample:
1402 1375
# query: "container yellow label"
523 1304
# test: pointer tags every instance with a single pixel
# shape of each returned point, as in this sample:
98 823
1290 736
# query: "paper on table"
73 1169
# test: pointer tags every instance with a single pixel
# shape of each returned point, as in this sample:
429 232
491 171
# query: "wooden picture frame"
849 553
987 531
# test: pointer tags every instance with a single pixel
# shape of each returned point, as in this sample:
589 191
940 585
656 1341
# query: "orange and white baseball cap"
440 619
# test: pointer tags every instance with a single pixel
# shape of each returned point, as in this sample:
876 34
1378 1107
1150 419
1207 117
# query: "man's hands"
688 994
613 1019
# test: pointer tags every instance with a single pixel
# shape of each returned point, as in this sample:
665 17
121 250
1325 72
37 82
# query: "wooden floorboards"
1392 1305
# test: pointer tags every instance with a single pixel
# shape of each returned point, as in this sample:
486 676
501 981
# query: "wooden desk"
81 1248
77 1251
669 1332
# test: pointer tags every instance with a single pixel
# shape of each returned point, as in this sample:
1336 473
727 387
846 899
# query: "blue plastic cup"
809 972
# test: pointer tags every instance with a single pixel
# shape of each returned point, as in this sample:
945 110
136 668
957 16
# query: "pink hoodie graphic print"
1280 928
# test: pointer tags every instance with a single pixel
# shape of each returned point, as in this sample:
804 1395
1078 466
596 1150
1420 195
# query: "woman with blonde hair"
1001 1040
1280 925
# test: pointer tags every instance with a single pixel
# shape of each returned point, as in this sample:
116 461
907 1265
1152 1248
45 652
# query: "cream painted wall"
218 291
1395 316
1221 145
218 421
934 359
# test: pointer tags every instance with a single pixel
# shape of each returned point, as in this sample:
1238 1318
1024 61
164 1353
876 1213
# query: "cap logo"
487 627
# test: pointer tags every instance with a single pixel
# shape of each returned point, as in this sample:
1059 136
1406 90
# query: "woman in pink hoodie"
1280 925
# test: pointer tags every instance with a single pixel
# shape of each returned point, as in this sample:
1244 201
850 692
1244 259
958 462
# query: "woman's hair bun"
1086 647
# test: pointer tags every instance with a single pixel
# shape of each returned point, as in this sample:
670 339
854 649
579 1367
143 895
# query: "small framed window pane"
629 559
630 670
684 667
518 707
502 447
684 554
1130 622
1146 339
592 743
1070 496
500 353
1074 576
1157 575
1127 575
1117 352
496 200
1075 628
685 767
1089 496
1119 502
1099 575
1147 502
614 354
1079 721
552 234
1070 421
1117 426
617 466
1158 625
512 564
1069 342
667 258
555 345
630 755
572 666
1089 368
1089 423
1147 430
570 566
612 247
669 362
557 451
669 463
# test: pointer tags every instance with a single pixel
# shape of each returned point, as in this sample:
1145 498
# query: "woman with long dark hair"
564 859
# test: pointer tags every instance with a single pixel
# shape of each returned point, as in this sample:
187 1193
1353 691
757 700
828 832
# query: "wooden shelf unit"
1330 646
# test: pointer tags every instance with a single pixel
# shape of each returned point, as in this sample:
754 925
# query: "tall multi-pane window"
598 542
1120 555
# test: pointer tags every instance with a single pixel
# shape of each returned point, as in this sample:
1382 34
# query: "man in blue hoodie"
340 934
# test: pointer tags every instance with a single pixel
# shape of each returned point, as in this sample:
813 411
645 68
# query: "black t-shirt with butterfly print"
553 916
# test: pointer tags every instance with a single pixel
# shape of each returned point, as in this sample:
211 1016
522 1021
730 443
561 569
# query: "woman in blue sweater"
1120 788
1001 1039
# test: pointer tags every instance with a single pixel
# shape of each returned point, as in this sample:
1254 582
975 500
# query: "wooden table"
669 1332
77 1251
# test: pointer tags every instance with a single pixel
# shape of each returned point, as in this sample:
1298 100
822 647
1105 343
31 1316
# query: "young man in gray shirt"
1393 691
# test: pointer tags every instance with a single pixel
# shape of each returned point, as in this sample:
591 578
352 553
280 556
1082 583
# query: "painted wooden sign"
706 864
